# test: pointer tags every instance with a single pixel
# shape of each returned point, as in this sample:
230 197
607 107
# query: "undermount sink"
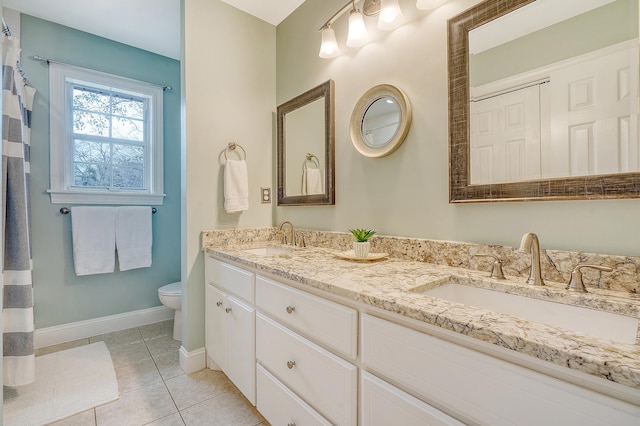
266 251
620 328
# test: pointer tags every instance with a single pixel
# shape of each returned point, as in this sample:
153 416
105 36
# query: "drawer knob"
227 310
218 303
291 364
290 309
291 424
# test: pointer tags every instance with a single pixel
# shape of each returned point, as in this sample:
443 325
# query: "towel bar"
231 146
67 210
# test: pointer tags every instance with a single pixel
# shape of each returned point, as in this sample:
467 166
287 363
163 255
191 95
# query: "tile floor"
155 391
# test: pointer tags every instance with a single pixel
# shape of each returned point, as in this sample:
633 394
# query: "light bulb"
429 4
329 46
358 35
391 16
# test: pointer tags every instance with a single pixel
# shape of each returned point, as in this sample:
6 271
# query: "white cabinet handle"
218 303
290 309
227 310
291 364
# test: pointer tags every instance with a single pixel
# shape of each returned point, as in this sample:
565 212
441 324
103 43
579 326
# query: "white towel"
94 240
311 181
134 237
236 186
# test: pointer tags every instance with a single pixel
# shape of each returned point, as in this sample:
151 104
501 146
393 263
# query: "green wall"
60 296
406 193
605 26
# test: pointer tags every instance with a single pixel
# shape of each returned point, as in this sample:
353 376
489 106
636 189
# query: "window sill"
79 197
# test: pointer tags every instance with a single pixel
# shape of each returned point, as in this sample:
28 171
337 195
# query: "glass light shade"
329 46
358 35
429 4
391 16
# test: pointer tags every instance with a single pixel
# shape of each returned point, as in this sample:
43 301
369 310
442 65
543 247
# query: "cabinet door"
478 388
327 322
230 279
280 406
323 380
216 327
383 404
241 346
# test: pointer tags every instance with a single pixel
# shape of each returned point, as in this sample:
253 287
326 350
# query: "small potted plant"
362 245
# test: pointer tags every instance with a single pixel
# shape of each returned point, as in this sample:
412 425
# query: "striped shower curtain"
17 311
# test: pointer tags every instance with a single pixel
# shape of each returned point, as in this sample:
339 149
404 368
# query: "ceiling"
152 25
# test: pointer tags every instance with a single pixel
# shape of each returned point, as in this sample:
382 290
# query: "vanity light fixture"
389 17
358 35
329 46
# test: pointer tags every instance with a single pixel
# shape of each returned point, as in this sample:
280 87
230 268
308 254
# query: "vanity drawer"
382 404
478 388
230 278
327 322
280 406
320 378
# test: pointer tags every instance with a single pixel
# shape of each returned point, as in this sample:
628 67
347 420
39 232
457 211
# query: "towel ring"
310 158
231 147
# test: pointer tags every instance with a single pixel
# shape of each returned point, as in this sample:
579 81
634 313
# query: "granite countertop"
387 284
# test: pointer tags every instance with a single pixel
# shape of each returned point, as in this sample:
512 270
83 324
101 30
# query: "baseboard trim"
83 329
193 361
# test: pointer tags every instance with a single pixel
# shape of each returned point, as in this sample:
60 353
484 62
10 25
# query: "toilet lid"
173 288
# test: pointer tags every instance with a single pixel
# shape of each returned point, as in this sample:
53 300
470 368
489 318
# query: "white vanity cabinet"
299 338
230 323
477 388
382 404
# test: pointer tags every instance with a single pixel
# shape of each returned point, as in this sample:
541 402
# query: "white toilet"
171 297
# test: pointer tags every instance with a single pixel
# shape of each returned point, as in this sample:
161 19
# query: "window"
106 138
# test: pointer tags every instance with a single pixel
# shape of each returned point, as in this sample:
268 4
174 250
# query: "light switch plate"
265 195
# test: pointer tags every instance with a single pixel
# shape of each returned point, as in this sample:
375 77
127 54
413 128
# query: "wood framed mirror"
306 148
592 170
380 121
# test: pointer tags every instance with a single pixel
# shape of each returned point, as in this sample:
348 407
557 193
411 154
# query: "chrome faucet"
293 232
530 244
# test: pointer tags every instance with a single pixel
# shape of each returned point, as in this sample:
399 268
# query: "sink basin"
266 251
620 328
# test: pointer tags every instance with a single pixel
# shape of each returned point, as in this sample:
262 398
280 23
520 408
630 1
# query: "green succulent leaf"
362 235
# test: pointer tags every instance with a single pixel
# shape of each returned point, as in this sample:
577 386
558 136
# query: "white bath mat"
67 382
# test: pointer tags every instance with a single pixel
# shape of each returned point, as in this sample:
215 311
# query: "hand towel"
134 237
311 181
236 186
94 240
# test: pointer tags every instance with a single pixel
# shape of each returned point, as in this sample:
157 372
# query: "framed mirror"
306 148
557 120
380 121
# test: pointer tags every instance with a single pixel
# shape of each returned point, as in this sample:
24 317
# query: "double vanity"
425 336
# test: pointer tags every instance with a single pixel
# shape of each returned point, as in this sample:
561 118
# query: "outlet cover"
265 195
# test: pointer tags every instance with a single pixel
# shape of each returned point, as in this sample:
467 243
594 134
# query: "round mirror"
380 121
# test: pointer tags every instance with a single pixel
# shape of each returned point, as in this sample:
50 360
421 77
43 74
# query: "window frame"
61 134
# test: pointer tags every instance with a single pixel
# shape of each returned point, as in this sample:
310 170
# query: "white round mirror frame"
360 110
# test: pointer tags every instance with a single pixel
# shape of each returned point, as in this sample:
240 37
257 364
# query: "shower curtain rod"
52 61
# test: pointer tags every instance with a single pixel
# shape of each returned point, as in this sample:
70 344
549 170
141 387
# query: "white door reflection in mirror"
545 109
505 137
577 117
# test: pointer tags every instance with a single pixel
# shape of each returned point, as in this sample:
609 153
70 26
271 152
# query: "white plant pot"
361 249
